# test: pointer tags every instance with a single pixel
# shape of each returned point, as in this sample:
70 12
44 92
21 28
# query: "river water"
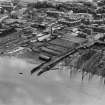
51 88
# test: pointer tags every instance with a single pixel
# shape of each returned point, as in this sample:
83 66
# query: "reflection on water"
52 88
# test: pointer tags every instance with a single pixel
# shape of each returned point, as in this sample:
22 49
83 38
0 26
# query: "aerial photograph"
52 52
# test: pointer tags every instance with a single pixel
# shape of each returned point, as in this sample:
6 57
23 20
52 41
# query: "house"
6 4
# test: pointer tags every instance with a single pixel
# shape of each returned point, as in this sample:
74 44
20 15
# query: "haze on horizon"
50 0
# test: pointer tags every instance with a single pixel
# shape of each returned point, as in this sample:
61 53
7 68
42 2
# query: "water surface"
52 88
